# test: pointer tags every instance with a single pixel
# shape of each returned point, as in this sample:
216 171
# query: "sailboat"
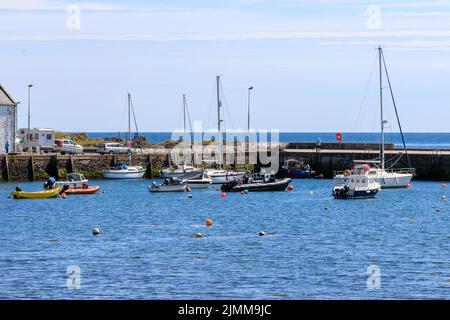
125 171
180 169
221 176
376 169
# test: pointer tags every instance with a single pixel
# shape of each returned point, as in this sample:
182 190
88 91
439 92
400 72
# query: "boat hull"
261 186
37 195
169 188
365 194
224 178
88 190
390 180
199 184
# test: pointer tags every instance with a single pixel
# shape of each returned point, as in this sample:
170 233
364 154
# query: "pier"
432 165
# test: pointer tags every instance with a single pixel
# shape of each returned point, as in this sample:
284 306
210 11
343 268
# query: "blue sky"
309 61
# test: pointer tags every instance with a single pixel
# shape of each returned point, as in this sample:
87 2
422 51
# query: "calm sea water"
438 141
321 248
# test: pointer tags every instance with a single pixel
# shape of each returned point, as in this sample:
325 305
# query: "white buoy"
444 197
96 231
311 192
262 233
198 235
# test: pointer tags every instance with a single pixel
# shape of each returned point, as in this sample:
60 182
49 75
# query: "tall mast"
129 119
184 117
219 121
381 110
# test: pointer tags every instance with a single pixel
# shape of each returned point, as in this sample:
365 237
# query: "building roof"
5 98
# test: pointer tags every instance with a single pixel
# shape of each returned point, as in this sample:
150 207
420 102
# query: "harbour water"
320 247
434 141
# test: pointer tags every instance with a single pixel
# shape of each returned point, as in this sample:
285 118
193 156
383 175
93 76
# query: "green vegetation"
62 172
80 138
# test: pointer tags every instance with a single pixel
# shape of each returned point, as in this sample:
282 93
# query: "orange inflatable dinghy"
84 190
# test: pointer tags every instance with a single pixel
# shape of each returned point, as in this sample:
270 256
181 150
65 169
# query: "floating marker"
444 197
198 235
190 196
96 231
242 192
443 185
208 222
223 195
262 233
290 188
246 191
311 192
408 186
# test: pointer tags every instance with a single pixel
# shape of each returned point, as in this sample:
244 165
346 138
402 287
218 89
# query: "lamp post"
29 117
248 109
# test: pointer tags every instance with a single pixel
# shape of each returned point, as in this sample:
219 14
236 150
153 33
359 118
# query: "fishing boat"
125 171
256 183
355 186
170 185
379 172
46 194
84 190
295 169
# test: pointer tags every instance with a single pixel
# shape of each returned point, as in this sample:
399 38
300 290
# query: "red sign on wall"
338 137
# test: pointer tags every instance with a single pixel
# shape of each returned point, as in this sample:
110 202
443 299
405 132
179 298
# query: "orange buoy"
290 188
223 195
208 222
408 186
63 195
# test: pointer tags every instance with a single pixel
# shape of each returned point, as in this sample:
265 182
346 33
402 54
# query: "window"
49 136
36 136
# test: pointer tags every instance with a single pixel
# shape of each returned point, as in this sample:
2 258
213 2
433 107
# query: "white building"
8 121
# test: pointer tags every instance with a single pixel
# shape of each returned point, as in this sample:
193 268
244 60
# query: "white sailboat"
177 170
125 171
376 170
220 176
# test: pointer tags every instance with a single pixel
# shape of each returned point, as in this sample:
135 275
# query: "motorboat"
295 169
202 181
73 181
220 176
124 171
178 170
170 185
355 186
266 182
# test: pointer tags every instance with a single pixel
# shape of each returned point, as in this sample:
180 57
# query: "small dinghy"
170 185
355 187
256 183
83 190
46 194
73 180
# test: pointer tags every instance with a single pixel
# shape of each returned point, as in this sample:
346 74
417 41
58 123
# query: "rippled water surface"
320 247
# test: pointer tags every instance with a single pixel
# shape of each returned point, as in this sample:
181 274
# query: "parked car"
112 148
68 146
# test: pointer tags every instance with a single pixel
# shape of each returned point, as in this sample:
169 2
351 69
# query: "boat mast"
381 110
219 121
184 117
129 126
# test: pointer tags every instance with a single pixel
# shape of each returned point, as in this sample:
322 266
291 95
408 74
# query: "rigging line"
366 91
395 108
188 116
225 107
135 124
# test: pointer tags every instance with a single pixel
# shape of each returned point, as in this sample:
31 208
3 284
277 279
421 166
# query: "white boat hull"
124 174
199 184
71 184
224 178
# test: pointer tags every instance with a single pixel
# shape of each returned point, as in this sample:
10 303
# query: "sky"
312 63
